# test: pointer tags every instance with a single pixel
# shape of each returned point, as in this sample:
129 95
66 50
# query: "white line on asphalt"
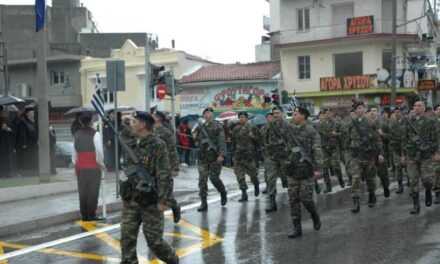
65 240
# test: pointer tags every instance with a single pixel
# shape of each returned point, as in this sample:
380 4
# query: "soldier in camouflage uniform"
304 164
421 140
396 137
330 132
436 187
210 138
168 137
276 150
244 141
141 207
365 149
263 130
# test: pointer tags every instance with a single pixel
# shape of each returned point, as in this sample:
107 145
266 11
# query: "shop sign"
426 85
360 25
347 82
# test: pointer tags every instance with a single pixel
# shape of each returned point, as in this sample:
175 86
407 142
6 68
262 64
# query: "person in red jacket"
185 141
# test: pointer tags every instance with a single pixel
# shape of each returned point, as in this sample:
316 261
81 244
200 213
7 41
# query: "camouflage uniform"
208 166
276 149
364 145
421 144
244 139
138 209
382 167
300 174
344 143
396 137
330 132
167 135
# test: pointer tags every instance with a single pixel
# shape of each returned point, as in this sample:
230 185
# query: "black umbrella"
10 100
79 110
120 109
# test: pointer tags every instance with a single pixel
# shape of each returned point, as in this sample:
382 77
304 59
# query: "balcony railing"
338 31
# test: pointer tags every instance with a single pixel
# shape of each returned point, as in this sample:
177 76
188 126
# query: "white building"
334 50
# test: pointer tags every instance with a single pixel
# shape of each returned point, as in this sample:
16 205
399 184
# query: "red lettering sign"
360 25
346 83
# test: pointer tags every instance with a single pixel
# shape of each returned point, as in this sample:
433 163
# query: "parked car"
63 154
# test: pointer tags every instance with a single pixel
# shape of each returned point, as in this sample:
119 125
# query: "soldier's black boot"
356 205
297 229
177 214
244 196
317 187
428 196
203 206
386 192
340 179
328 183
314 214
224 198
264 191
437 198
257 189
272 206
371 199
400 187
416 204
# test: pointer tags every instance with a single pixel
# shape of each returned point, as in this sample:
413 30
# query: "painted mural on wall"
226 98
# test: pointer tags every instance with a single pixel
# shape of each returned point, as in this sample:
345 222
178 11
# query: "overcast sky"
221 30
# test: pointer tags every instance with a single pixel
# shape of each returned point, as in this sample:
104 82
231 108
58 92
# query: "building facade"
333 51
179 62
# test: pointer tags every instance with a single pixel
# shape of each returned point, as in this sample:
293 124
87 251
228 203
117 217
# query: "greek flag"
97 100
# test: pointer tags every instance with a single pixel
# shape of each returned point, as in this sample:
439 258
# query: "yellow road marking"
109 240
1 253
53 251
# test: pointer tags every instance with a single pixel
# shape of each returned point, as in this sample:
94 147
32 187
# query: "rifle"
421 144
299 151
207 139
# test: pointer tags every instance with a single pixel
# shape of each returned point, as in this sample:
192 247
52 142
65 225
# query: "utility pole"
4 48
43 106
394 54
173 101
147 73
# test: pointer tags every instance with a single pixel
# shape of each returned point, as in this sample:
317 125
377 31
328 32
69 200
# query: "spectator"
6 146
87 158
184 137
52 144
27 143
75 125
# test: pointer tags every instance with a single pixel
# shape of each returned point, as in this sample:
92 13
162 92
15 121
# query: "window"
107 96
387 57
304 67
348 64
58 78
303 19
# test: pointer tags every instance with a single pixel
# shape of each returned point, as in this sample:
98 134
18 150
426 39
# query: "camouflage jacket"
363 139
396 135
245 141
309 140
276 139
216 134
153 155
330 133
421 137
168 137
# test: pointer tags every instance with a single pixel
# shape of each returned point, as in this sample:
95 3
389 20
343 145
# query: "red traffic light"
161 91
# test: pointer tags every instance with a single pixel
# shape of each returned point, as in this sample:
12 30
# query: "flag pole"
103 170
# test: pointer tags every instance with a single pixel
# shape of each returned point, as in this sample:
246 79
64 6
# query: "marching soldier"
396 137
244 140
330 132
210 137
142 206
365 147
304 164
263 132
421 140
275 142
168 137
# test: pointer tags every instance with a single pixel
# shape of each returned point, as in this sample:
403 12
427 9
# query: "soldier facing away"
146 208
244 141
210 138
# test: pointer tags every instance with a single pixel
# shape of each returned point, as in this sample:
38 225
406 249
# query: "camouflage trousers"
243 167
152 221
212 172
382 173
420 171
171 200
397 166
331 162
436 181
300 191
362 168
275 169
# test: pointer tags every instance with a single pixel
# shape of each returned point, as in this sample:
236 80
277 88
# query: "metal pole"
173 102
394 54
43 107
6 68
115 96
147 74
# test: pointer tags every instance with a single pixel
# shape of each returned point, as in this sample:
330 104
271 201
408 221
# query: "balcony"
329 32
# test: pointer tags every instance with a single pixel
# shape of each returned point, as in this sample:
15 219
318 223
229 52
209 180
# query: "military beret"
144 117
356 104
269 114
303 111
243 113
161 115
210 109
394 109
277 108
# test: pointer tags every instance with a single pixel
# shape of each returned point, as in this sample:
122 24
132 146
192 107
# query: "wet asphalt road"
244 233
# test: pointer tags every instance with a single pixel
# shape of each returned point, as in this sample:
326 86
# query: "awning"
353 92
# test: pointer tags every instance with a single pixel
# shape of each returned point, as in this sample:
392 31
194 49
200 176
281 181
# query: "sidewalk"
33 207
